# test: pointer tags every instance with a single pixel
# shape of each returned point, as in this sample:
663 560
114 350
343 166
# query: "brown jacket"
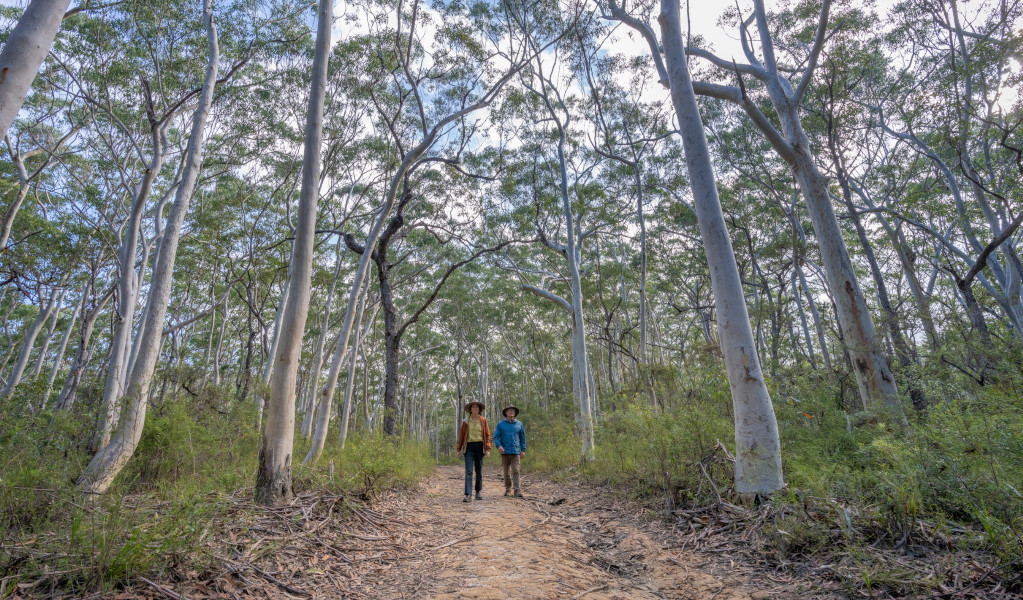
463 434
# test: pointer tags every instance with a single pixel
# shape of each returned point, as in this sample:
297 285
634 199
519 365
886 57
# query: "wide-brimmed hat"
468 407
504 413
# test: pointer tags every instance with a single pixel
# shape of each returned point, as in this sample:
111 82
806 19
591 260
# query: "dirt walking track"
560 541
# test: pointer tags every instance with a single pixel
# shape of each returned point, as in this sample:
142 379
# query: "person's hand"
487 453
500 449
458 454
523 453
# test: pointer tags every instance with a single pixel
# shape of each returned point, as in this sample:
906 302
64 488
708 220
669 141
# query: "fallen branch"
592 589
162 590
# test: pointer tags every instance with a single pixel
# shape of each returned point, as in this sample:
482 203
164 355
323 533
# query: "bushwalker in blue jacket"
510 436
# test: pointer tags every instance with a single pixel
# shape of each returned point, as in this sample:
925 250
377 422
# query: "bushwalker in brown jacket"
463 434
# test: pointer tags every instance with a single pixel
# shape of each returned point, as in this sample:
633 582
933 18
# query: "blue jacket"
510 436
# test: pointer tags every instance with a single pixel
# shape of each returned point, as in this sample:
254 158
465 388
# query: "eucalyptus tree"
24 51
110 459
452 78
273 479
874 378
758 449
962 134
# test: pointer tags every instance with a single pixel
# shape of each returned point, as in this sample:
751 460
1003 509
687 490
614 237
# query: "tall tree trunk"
273 481
758 466
109 461
23 53
29 342
83 354
127 295
310 400
902 351
59 359
360 328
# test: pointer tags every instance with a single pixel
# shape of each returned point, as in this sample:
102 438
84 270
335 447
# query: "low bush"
191 457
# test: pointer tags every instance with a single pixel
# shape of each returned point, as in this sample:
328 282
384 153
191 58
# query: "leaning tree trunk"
24 52
874 378
758 466
29 342
127 296
83 354
63 345
310 400
109 461
346 407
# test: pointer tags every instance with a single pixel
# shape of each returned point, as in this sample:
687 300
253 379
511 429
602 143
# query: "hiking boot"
518 494
507 493
468 498
478 497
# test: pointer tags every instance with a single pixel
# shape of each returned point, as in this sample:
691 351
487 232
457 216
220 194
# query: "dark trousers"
473 459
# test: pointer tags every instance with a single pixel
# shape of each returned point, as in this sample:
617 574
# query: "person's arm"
461 438
522 439
485 427
497 438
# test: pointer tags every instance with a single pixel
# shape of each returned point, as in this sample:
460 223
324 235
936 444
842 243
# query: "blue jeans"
473 458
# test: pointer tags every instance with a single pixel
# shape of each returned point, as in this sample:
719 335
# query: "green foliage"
164 505
950 483
368 464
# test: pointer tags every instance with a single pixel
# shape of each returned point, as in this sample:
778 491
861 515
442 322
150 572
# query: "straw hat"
468 407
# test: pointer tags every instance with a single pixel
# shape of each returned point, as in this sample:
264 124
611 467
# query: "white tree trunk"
268 366
29 342
24 52
758 450
111 459
63 345
127 298
314 381
346 408
45 349
273 481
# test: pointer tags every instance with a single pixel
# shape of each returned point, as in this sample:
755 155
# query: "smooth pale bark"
127 295
268 366
346 407
109 461
24 52
83 354
758 449
410 158
12 211
581 388
310 401
45 349
29 342
59 359
874 378
902 350
273 480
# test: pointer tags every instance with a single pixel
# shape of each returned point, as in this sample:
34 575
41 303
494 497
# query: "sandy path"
581 547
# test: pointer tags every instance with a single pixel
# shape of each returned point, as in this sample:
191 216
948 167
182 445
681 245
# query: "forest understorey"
563 540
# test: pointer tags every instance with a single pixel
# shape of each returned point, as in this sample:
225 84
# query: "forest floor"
562 541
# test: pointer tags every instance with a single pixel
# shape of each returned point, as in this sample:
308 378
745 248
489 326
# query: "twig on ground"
596 588
162 590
